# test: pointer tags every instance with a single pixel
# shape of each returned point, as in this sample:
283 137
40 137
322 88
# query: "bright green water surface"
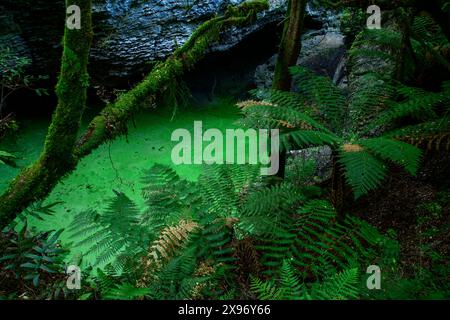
117 165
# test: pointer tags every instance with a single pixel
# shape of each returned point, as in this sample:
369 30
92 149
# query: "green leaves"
126 291
363 169
321 94
33 256
309 138
363 172
401 153
340 286
118 229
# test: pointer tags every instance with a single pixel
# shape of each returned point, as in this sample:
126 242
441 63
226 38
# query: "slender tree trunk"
402 56
289 51
57 158
290 46
337 187
62 150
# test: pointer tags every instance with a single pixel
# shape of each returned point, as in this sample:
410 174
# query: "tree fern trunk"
57 159
290 48
402 57
337 187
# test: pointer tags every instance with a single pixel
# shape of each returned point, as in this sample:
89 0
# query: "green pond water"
116 165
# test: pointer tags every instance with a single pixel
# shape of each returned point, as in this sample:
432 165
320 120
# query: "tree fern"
361 157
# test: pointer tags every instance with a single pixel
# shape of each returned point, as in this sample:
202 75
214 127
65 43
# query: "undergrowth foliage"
191 240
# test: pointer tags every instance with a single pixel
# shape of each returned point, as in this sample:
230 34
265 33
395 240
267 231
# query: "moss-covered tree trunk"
57 157
289 51
290 45
62 151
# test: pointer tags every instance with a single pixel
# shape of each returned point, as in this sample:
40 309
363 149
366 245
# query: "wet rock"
323 51
10 33
321 156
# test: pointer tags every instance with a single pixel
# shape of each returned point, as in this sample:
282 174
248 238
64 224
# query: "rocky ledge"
129 34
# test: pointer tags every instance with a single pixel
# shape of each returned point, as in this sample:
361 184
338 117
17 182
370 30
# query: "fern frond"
170 240
342 286
126 291
265 290
416 106
363 172
166 196
106 235
278 116
315 243
305 139
290 283
321 94
399 152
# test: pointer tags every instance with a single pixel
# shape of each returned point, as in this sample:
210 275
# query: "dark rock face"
129 34
33 29
323 51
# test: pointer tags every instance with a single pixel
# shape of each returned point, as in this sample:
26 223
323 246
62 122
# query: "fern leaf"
399 152
363 172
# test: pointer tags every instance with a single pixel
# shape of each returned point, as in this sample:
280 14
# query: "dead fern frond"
170 241
251 103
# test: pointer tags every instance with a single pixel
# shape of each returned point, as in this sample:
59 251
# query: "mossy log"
62 150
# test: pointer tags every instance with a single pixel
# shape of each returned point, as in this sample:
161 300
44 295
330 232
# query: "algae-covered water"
116 165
